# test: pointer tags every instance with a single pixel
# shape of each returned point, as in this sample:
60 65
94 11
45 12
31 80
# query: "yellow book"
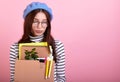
27 46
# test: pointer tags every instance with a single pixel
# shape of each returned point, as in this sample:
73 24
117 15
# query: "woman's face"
39 24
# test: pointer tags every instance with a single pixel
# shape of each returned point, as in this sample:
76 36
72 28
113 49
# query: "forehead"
40 16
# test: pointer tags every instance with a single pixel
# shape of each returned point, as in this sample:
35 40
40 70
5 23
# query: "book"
41 48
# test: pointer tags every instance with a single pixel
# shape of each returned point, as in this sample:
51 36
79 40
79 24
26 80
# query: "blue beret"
37 5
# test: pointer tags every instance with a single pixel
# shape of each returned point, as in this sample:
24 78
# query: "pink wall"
90 30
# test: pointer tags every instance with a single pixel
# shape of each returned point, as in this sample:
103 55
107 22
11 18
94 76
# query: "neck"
36 38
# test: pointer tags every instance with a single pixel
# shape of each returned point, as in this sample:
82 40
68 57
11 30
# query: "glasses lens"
44 24
36 23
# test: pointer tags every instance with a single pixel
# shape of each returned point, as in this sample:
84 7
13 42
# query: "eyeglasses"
43 24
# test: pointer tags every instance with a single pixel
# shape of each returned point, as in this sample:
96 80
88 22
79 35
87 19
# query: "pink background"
89 29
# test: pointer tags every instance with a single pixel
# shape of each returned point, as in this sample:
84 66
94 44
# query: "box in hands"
33 70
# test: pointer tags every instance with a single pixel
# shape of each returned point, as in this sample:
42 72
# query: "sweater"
59 68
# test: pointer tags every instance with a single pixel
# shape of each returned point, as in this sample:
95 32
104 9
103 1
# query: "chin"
38 34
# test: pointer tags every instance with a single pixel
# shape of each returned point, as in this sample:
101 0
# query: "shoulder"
59 46
14 45
58 43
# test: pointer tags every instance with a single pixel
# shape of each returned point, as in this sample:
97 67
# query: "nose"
39 25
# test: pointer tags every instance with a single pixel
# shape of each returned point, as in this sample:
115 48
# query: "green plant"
31 55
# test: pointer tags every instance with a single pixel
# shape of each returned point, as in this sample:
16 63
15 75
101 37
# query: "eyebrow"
42 20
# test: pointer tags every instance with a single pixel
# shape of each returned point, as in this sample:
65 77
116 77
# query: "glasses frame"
43 24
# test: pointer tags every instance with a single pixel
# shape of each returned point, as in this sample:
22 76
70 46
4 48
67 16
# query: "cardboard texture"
32 70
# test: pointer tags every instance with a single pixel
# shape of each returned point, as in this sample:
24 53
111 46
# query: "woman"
37 27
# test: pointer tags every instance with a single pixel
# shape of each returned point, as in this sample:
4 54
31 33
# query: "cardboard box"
31 71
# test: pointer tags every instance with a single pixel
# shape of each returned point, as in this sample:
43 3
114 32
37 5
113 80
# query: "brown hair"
47 34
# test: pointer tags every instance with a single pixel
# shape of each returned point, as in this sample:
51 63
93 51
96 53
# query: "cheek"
32 29
45 29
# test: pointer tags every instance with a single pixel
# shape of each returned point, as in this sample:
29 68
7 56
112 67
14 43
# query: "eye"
35 22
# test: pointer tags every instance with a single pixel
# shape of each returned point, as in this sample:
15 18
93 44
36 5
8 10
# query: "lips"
38 31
